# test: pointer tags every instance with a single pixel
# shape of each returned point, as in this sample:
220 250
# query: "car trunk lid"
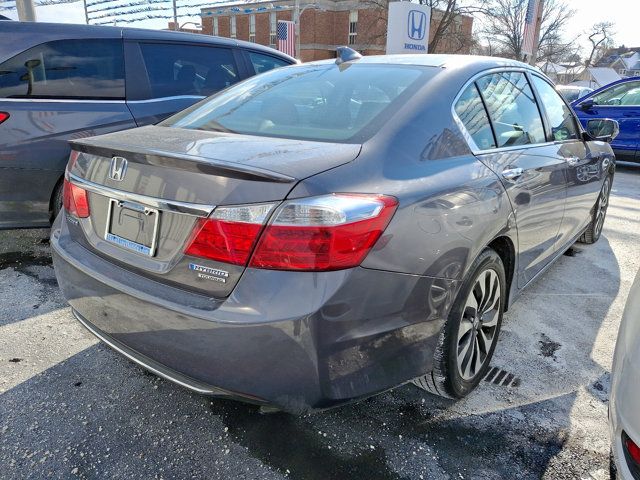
143 216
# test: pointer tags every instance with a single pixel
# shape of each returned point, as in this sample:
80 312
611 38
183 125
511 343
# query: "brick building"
324 25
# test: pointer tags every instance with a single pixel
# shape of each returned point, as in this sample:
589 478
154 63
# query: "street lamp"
197 25
296 20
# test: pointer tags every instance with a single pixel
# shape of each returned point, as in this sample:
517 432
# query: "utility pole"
26 10
296 24
536 37
175 16
86 12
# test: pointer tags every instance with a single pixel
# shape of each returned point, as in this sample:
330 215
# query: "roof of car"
58 30
438 60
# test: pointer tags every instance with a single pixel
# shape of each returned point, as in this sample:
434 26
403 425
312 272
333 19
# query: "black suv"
60 82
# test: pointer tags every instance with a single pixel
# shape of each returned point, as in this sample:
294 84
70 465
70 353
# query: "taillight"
230 234
75 200
73 157
632 449
330 232
4 116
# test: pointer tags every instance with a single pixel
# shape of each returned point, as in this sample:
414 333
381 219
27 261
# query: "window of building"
92 69
216 27
472 114
273 29
561 120
232 26
353 26
252 28
512 109
187 69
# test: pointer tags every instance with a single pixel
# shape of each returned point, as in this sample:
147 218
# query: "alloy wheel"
601 208
478 326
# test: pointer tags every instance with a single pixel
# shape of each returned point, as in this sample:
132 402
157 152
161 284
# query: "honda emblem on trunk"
118 168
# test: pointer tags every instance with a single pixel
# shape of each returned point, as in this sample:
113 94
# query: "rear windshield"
314 102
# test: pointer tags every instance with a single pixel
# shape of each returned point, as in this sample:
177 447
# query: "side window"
561 120
473 115
263 63
512 109
89 69
175 69
627 94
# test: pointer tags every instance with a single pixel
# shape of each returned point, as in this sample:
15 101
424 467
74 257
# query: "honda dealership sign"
408 28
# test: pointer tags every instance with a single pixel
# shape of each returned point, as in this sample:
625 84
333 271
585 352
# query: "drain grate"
501 377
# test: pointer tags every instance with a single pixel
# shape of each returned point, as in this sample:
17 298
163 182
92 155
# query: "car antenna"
346 54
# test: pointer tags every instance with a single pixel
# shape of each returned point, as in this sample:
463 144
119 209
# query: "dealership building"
324 25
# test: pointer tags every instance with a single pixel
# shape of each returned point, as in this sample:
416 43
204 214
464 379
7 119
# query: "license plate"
132 226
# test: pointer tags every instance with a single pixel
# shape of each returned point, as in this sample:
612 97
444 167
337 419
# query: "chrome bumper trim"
196 209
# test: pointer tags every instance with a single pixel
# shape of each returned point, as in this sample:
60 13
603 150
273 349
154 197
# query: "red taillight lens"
224 241
331 232
75 200
632 448
4 116
230 234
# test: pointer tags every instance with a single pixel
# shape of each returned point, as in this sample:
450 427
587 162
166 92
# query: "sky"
623 13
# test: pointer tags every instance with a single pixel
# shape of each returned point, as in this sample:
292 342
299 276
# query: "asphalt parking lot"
70 407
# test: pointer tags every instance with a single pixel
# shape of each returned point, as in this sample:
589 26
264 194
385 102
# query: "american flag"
530 22
287 37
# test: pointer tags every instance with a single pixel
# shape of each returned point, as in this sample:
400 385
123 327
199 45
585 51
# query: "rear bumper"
623 413
294 340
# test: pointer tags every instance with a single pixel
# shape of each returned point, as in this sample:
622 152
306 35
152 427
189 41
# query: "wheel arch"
504 247
52 198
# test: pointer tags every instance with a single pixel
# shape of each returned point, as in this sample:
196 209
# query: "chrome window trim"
84 100
58 100
194 209
465 133
162 99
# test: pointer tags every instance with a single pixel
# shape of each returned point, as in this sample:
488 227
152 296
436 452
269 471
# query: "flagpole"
536 37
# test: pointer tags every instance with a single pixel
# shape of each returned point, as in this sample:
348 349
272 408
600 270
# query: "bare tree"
601 37
446 30
504 25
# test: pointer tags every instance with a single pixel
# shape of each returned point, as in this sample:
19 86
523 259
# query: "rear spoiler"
178 161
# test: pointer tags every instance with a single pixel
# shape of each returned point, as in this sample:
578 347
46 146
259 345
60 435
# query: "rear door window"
263 63
175 70
512 108
87 68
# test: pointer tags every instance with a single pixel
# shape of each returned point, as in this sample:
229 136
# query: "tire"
594 230
613 470
56 201
467 342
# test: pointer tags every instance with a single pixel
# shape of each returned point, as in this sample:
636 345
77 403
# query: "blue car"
61 82
620 101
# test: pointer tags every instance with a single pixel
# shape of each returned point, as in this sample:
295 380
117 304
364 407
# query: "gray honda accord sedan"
323 232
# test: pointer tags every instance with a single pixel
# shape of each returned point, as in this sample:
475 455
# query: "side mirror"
586 104
603 130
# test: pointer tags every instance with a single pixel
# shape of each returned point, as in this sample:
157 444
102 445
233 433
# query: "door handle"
512 174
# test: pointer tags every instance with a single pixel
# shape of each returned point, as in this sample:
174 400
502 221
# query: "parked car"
620 101
60 82
573 92
324 232
624 417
